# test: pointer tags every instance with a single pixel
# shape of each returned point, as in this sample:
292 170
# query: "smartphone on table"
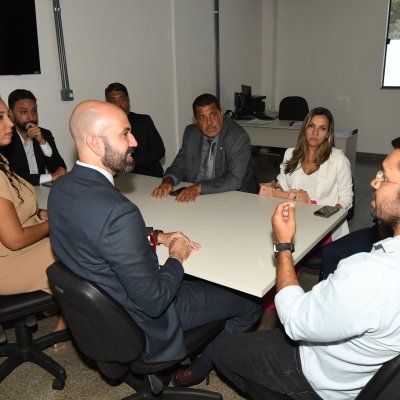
326 211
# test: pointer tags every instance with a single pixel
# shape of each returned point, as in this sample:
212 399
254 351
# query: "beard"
116 161
387 212
23 125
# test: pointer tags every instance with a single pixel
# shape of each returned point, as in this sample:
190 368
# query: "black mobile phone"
177 191
326 211
49 184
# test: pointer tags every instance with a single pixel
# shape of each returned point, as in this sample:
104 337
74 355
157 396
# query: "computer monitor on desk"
248 106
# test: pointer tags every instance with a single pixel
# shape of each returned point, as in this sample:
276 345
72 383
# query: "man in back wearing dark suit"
100 235
150 149
32 153
215 156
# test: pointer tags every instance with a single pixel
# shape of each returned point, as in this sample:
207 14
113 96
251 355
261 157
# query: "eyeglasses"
380 177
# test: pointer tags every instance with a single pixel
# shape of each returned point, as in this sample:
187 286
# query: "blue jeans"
199 302
263 365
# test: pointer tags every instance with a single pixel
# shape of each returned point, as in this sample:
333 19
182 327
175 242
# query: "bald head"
91 117
93 123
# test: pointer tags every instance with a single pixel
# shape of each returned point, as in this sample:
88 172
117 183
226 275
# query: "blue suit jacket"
233 163
100 235
16 157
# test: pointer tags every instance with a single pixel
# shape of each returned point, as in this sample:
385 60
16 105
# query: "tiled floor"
30 382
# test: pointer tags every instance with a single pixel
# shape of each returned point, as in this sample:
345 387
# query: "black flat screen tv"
19 39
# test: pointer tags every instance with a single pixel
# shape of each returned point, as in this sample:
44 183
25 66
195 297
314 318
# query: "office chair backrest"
385 382
102 329
293 108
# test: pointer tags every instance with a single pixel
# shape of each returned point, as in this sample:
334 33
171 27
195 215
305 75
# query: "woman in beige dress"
25 251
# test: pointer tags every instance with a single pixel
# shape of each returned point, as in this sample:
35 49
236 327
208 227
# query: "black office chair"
313 260
22 308
107 334
384 385
293 108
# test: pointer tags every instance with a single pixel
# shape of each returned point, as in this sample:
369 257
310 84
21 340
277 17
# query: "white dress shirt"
30 156
101 170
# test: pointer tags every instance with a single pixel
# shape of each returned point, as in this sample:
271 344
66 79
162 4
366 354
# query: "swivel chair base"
21 310
27 349
177 394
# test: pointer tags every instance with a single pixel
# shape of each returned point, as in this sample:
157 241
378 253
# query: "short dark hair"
205 100
116 87
396 143
19 94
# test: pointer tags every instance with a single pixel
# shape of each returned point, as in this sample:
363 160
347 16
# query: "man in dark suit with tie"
32 153
100 235
150 149
215 155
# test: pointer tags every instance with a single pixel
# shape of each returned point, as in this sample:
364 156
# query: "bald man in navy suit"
100 235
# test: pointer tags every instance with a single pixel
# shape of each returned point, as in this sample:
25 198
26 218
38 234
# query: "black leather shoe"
183 377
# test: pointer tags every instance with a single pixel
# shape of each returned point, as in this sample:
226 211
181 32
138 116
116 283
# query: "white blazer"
334 183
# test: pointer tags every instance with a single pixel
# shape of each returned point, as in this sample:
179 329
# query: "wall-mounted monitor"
19 39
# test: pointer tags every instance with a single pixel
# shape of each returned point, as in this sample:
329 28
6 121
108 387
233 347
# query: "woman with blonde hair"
315 166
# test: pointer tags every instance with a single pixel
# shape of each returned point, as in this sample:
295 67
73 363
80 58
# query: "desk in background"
279 133
233 228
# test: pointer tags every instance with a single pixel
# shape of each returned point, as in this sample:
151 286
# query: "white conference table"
233 228
279 133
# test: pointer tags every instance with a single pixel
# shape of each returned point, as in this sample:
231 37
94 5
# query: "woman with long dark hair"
25 251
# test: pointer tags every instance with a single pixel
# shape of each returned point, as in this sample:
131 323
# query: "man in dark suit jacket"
100 235
231 167
150 149
32 151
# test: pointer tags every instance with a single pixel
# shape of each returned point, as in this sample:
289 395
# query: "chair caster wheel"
58 384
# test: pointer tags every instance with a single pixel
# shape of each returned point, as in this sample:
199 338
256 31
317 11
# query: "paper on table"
254 121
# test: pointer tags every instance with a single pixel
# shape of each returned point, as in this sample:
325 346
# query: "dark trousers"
199 302
263 365
353 243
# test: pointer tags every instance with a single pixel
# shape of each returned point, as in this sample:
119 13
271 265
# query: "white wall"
240 47
104 43
125 41
269 39
194 55
331 53
53 113
163 51
240 29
